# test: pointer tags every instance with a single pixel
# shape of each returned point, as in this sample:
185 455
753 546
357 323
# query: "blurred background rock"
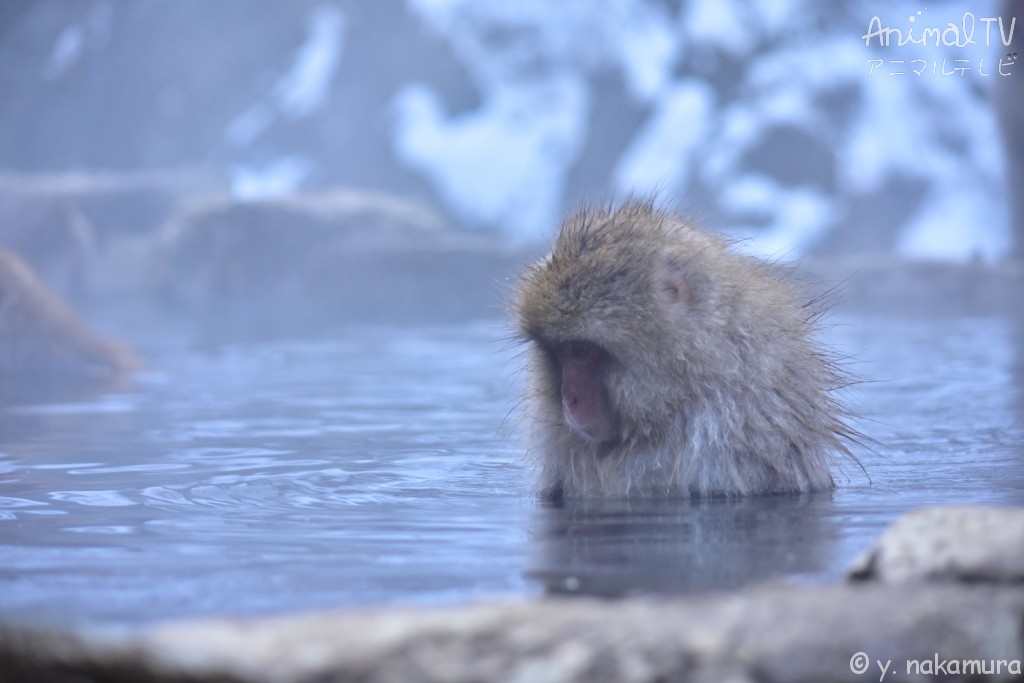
765 119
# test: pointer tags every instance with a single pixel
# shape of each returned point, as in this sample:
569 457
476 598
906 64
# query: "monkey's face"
607 312
586 409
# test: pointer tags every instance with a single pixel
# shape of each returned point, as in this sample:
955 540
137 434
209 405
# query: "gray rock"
763 634
72 227
341 256
966 544
912 631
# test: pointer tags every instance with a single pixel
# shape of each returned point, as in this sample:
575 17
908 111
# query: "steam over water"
384 466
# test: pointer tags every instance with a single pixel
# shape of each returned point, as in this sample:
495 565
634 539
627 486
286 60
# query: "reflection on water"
615 548
375 467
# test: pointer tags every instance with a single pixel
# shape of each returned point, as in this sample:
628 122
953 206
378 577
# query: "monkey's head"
616 316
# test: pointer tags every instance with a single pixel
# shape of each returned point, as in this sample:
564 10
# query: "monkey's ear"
675 285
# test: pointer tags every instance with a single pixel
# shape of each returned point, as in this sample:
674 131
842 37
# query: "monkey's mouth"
592 428
586 408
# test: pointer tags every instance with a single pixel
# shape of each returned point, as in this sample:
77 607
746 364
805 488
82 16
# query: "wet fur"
716 382
42 342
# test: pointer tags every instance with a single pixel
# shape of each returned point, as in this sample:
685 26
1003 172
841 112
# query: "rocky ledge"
925 605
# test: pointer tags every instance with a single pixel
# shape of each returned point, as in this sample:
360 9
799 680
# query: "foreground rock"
768 634
335 257
43 345
948 544
860 632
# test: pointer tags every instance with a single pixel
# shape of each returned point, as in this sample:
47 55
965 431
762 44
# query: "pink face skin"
585 402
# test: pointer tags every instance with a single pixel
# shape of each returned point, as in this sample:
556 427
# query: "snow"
506 163
719 23
277 178
799 216
955 226
503 165
935 128
67 50
661 153
248 126
298 93
73 42
304 87
646 48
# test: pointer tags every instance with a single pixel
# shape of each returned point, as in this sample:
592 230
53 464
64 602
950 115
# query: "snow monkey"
662 363
42 341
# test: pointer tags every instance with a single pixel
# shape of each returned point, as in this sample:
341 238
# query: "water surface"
378 466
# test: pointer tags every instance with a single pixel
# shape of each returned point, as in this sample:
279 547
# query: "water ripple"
381 467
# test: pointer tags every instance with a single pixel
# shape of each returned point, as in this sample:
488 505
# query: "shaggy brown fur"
41 340
713 381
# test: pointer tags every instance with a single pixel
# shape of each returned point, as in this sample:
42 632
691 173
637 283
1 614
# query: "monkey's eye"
577 351
580 350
